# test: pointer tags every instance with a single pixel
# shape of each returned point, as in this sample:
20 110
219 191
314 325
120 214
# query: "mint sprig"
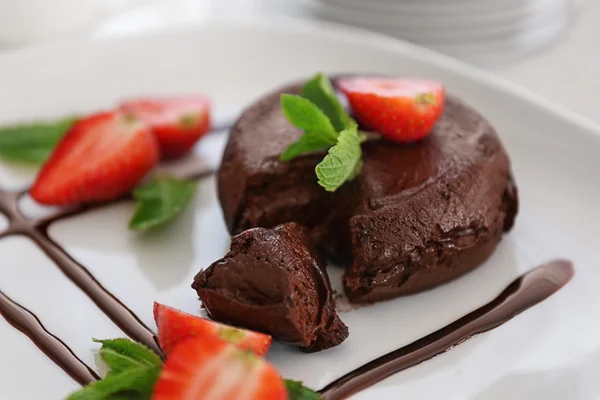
342 163
320 92
133 372
319 132
122 355
307 115
308 143
32 143
297 391
327 126
160 201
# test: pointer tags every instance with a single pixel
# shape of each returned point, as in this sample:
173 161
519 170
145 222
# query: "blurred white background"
548 46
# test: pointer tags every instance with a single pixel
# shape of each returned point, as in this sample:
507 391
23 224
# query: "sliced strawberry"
101 158
177 123
401 110
175 326
209 368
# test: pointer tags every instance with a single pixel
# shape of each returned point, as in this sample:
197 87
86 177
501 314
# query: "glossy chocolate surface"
417 216
274 281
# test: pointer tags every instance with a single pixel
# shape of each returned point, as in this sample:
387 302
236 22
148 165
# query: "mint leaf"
122 354
342 163
307 143
32 143
322 116
297 391
137 382
133 372
319 134
320 92
306 115
159 201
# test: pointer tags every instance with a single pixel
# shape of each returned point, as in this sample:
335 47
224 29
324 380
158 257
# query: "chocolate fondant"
417 216
274 281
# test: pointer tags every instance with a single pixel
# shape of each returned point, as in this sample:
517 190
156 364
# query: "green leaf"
135 383
319 112
297 391
123 354
159 201
133 372
342 163
320 92
306 115
32 143
307 143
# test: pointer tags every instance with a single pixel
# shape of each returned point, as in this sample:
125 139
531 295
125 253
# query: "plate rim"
423 55
331 29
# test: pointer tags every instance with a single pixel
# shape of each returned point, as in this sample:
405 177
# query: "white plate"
467 17
471 23
436 6
472 32
551 352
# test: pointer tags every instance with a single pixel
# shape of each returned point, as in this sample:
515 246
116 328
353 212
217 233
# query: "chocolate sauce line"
522 294
44 223
122 316
9 204
26 322
118 312
6 232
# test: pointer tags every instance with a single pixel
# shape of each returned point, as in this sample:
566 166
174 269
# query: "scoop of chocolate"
274 281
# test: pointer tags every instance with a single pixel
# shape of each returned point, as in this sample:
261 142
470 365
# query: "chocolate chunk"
274 281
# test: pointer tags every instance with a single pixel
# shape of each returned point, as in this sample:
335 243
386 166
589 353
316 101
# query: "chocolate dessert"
274 281
417 216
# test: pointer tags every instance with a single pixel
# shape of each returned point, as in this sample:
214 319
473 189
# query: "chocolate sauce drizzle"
25 321
122 316
525 292
522 294
53 347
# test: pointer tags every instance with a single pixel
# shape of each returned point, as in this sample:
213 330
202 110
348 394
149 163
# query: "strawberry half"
101 158
177 123
175 326
401 110
208 368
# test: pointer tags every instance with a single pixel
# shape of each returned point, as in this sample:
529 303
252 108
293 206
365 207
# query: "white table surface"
567 73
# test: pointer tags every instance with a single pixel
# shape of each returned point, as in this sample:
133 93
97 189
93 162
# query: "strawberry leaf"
320 92
160 201
32 143
297 391
342 163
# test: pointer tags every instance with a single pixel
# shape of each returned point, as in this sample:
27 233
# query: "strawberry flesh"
177 123
101 158
175 326
209 368
401 110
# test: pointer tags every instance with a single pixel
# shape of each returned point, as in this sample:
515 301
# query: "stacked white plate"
481 31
